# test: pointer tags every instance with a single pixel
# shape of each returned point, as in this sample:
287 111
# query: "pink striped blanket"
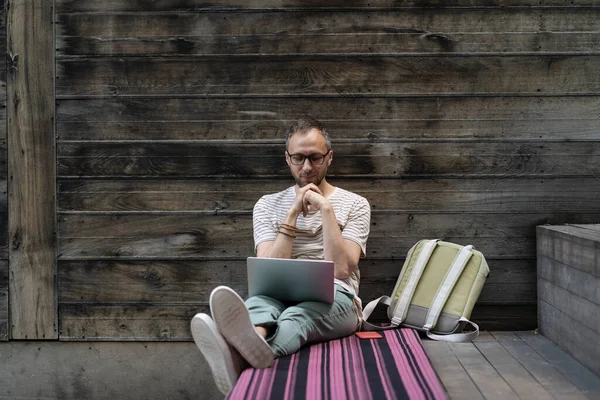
394 367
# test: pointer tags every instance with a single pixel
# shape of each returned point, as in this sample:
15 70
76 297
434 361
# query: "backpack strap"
452 275
409 290
367 326
457 337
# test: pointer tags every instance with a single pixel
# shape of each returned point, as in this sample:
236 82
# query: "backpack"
435 292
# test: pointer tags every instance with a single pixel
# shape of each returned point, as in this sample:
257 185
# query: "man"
312 219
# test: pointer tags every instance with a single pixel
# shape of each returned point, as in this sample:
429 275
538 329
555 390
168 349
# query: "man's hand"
313 199
307 196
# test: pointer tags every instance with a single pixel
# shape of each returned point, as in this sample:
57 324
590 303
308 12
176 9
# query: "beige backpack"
435 292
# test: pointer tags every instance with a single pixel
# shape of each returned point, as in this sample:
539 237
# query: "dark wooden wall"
468 120
4 329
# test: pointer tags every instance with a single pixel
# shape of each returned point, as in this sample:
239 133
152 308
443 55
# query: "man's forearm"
334 246
281 247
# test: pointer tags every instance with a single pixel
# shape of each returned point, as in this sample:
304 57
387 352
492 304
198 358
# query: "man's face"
311 143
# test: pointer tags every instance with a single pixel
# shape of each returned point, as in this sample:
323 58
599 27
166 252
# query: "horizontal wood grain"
393 159
551 129
342 43
189 292
327 75
494 317
328 21
342 115
383 224
452 375
572 304
572 280
201 236
190 282
570 246
456 194
193 5
570 334
184 246
126 321
218 272
423 118
356 32
120 321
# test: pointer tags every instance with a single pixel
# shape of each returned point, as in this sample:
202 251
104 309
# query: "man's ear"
330 158
287 159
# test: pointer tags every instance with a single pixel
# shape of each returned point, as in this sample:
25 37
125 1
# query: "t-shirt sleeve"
358 225
263 227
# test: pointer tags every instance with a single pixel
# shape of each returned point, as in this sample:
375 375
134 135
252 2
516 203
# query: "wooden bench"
568 276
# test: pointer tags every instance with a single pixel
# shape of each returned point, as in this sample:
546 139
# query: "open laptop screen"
292 280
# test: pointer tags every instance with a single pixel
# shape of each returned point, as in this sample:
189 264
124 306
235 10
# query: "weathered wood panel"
348 20
501 195
140 321
574 337
165 322
32 178
570 279
424 118
211 228
205 235
457 382
328 75
4 328
178 283
368 160
532 366
4 310
569 246
126 321
3 210
580 376
568 272
511 371
354 31
190 282
484 375
545 373
471 120
577 307
365 43
194 5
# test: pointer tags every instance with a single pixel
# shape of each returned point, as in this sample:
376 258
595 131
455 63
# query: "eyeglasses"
315 159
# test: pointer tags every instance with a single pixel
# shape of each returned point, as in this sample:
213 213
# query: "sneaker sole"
233 321
214 349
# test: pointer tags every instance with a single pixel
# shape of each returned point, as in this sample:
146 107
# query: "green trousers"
292 325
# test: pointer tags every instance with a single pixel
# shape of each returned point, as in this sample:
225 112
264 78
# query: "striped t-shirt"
352 212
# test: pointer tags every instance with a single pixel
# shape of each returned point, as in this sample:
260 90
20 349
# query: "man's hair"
305 124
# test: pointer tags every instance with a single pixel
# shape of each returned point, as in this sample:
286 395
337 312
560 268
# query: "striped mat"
394 367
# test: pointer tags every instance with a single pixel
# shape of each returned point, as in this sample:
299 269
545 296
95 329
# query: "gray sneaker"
225 362
233 320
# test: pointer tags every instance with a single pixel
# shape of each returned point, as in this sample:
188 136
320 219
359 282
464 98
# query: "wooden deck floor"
510 365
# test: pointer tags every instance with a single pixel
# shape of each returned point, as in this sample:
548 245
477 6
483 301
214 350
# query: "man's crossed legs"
229 341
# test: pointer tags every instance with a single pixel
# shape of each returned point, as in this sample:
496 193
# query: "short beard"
300 184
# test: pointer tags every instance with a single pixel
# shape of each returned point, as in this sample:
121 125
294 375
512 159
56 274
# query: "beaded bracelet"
286 234
289 227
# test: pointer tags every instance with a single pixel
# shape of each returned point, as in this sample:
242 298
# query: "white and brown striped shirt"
353 214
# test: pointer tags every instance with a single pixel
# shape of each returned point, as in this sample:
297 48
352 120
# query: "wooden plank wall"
31 170
468 120
4 329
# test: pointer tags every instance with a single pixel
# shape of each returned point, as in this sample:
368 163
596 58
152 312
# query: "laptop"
291 280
